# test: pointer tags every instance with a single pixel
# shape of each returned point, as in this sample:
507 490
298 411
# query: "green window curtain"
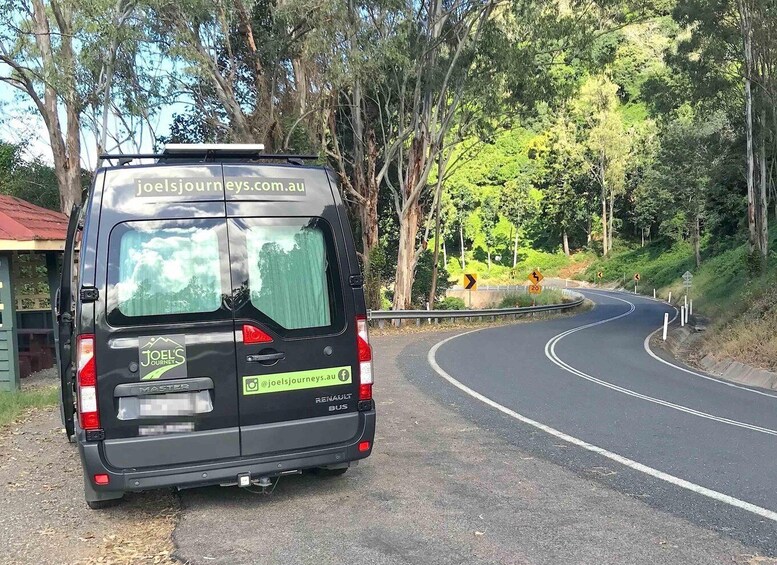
287 275
169 271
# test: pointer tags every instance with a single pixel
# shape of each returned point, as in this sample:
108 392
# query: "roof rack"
210 152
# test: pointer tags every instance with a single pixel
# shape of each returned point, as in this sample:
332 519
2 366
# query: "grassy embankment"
742 307
15 404
548 296
552 265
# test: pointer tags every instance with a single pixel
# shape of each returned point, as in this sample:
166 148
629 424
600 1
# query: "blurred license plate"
174 404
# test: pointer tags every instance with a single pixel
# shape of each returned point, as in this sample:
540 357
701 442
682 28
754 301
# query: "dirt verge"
45 518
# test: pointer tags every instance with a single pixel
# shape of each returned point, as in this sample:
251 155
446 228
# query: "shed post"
52 273
9 343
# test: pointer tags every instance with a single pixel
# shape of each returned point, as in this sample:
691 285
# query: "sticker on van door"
296 380
266 186
162 356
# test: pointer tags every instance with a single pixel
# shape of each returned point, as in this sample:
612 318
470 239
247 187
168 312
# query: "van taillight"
252 334
86 378
365 358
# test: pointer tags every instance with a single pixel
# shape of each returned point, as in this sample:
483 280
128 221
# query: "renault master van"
212 324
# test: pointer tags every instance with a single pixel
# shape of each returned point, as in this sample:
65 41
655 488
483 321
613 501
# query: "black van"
212 324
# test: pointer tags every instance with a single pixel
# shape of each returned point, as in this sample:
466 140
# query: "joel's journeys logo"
162 356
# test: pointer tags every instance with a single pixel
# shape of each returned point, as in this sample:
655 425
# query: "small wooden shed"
31 240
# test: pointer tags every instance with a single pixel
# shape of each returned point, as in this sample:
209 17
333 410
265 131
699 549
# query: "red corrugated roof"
22 221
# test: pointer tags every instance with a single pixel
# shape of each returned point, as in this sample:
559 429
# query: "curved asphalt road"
715 442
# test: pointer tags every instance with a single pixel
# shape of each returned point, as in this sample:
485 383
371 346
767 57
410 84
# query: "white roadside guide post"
682 316
687 283
669 300
654 294
666 323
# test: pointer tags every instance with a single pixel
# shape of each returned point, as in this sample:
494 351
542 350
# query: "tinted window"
166 270
288 274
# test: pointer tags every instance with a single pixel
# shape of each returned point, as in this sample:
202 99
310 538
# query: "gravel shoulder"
440 489
44 518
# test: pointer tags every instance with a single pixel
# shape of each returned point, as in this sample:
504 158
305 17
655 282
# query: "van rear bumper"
206 473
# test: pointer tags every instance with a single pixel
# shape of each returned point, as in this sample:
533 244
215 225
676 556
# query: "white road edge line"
650 352
550 353
682 483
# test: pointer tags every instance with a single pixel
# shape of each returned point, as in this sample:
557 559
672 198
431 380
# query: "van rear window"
287 274
169 270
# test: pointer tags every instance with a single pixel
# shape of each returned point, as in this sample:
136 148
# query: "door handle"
265 357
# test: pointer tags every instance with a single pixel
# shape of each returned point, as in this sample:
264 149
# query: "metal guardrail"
382 315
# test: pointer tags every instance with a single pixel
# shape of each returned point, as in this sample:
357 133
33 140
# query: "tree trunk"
697 241
488 253
440 175
588 229
610 230
604 221
300 84
368 220
565 241
65 142
763 203
70 188
461 241
406 257
515 250
747 39
642 233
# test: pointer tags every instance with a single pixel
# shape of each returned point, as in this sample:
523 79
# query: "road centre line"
630 463
550 353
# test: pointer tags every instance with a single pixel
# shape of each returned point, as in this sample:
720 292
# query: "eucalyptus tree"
244 67
731 54
607 145
64 58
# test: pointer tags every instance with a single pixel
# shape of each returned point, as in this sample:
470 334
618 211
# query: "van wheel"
100 504
324 472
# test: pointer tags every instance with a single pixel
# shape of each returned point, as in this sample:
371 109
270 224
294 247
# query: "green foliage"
14 404
547 296
658 265
550 264
385 300
423 280
451 303
32 181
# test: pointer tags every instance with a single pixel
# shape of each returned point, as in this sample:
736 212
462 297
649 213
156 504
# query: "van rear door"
165 348
297 358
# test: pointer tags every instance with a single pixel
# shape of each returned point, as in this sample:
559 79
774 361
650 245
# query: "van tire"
101 504
324 472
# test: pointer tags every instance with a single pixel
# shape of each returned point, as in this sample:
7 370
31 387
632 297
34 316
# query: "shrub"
514 300
451 303
422 284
